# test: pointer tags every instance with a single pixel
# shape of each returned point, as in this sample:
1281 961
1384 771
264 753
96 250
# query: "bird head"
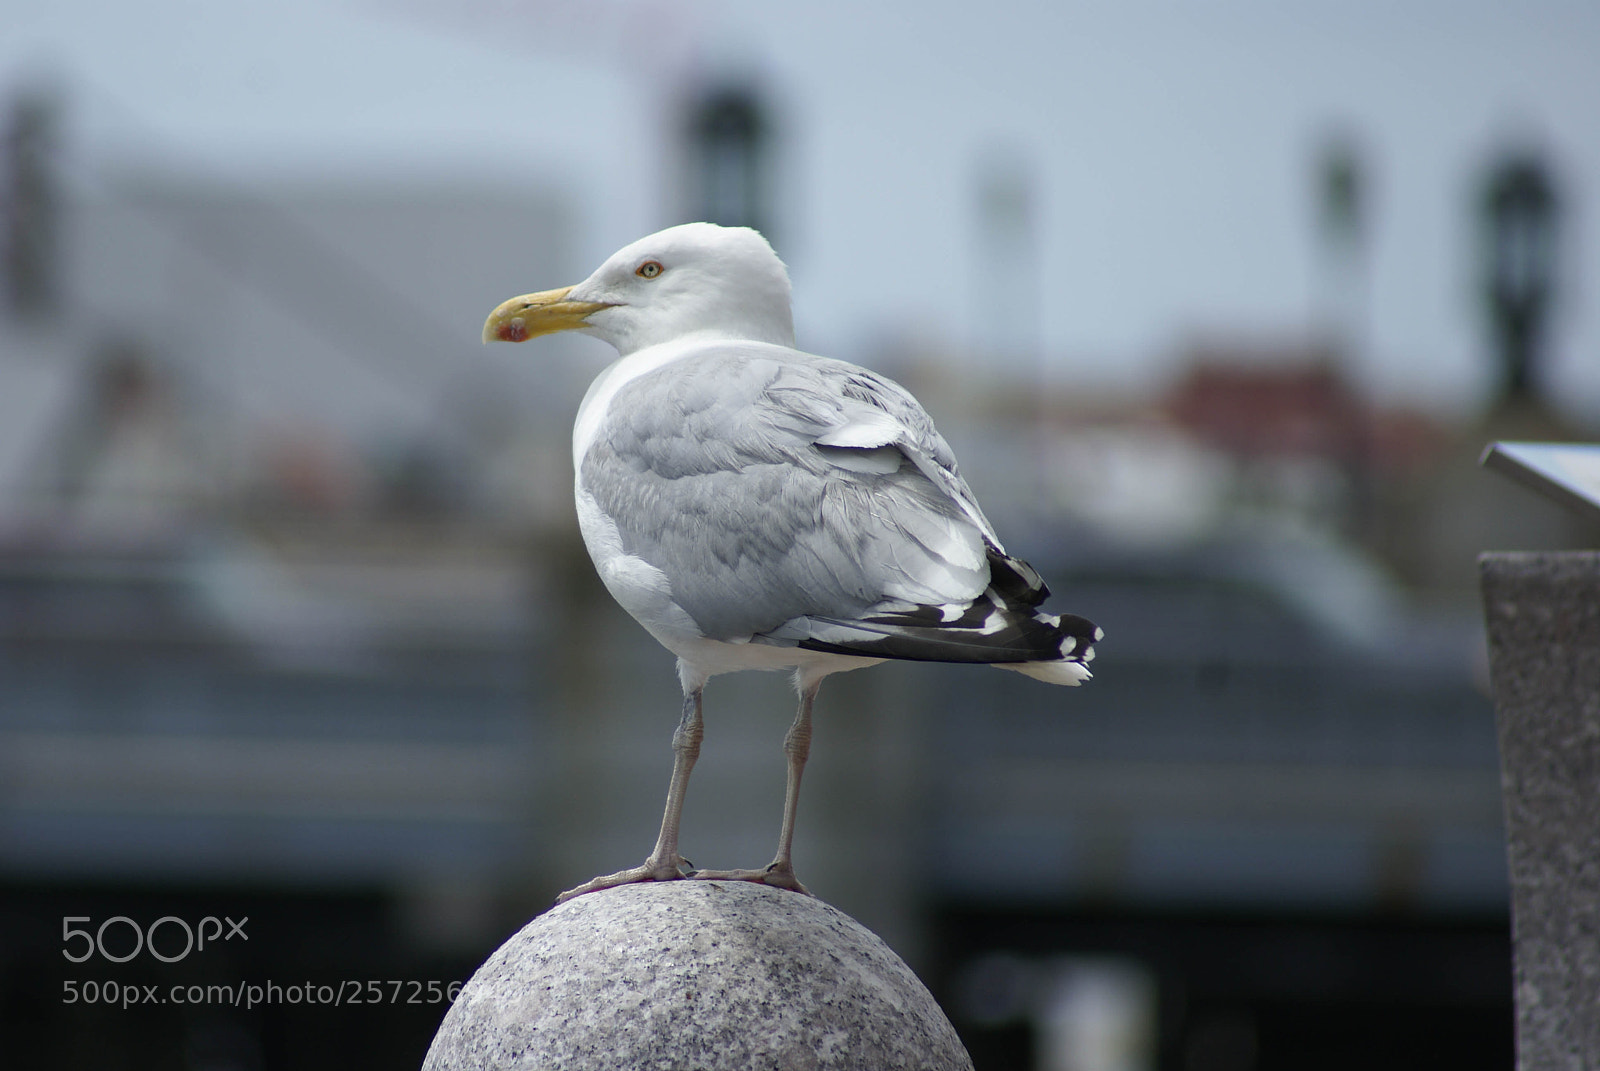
697 280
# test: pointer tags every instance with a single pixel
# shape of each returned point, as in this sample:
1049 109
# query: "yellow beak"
532 315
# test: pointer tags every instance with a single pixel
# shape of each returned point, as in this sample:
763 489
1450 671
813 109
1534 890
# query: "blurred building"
294 623
268 579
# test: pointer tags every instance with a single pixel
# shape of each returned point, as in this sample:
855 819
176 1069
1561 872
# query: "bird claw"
649 870
778 875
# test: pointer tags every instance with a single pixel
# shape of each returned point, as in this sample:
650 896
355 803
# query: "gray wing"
770 485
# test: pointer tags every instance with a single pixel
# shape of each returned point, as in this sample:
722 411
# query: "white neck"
621 372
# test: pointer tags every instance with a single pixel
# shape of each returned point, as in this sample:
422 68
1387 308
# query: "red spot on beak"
512 331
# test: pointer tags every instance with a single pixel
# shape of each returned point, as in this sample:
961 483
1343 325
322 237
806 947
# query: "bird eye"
649 269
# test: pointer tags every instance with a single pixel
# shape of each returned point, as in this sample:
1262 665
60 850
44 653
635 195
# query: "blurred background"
1217 303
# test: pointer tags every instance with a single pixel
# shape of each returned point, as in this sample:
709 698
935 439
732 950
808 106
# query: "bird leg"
664 863
796 748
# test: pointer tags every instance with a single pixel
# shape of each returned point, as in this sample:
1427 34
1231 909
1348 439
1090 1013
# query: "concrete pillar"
1543 616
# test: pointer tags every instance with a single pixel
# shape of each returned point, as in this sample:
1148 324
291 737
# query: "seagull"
754 506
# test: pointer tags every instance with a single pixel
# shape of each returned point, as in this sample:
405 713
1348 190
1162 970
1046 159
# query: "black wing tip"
983 634
1004 626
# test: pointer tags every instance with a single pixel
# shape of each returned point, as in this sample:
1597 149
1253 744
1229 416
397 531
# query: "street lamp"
729 135
1520 216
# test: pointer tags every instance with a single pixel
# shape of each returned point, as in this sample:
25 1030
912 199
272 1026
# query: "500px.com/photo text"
128 938
347 993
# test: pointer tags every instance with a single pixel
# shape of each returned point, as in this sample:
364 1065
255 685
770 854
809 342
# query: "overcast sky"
1170 146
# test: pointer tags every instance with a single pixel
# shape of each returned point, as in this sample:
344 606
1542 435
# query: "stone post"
1543 616
703 975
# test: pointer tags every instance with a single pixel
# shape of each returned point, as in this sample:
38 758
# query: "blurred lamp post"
31 207
1343 207
1341 204
1520 216
728 139
1009 257
1010 298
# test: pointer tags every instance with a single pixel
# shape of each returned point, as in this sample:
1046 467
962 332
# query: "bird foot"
779 875
649 870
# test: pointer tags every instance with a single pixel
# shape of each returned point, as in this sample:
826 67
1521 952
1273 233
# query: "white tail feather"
1066 671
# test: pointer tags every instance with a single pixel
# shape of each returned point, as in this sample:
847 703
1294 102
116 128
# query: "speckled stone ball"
707 975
